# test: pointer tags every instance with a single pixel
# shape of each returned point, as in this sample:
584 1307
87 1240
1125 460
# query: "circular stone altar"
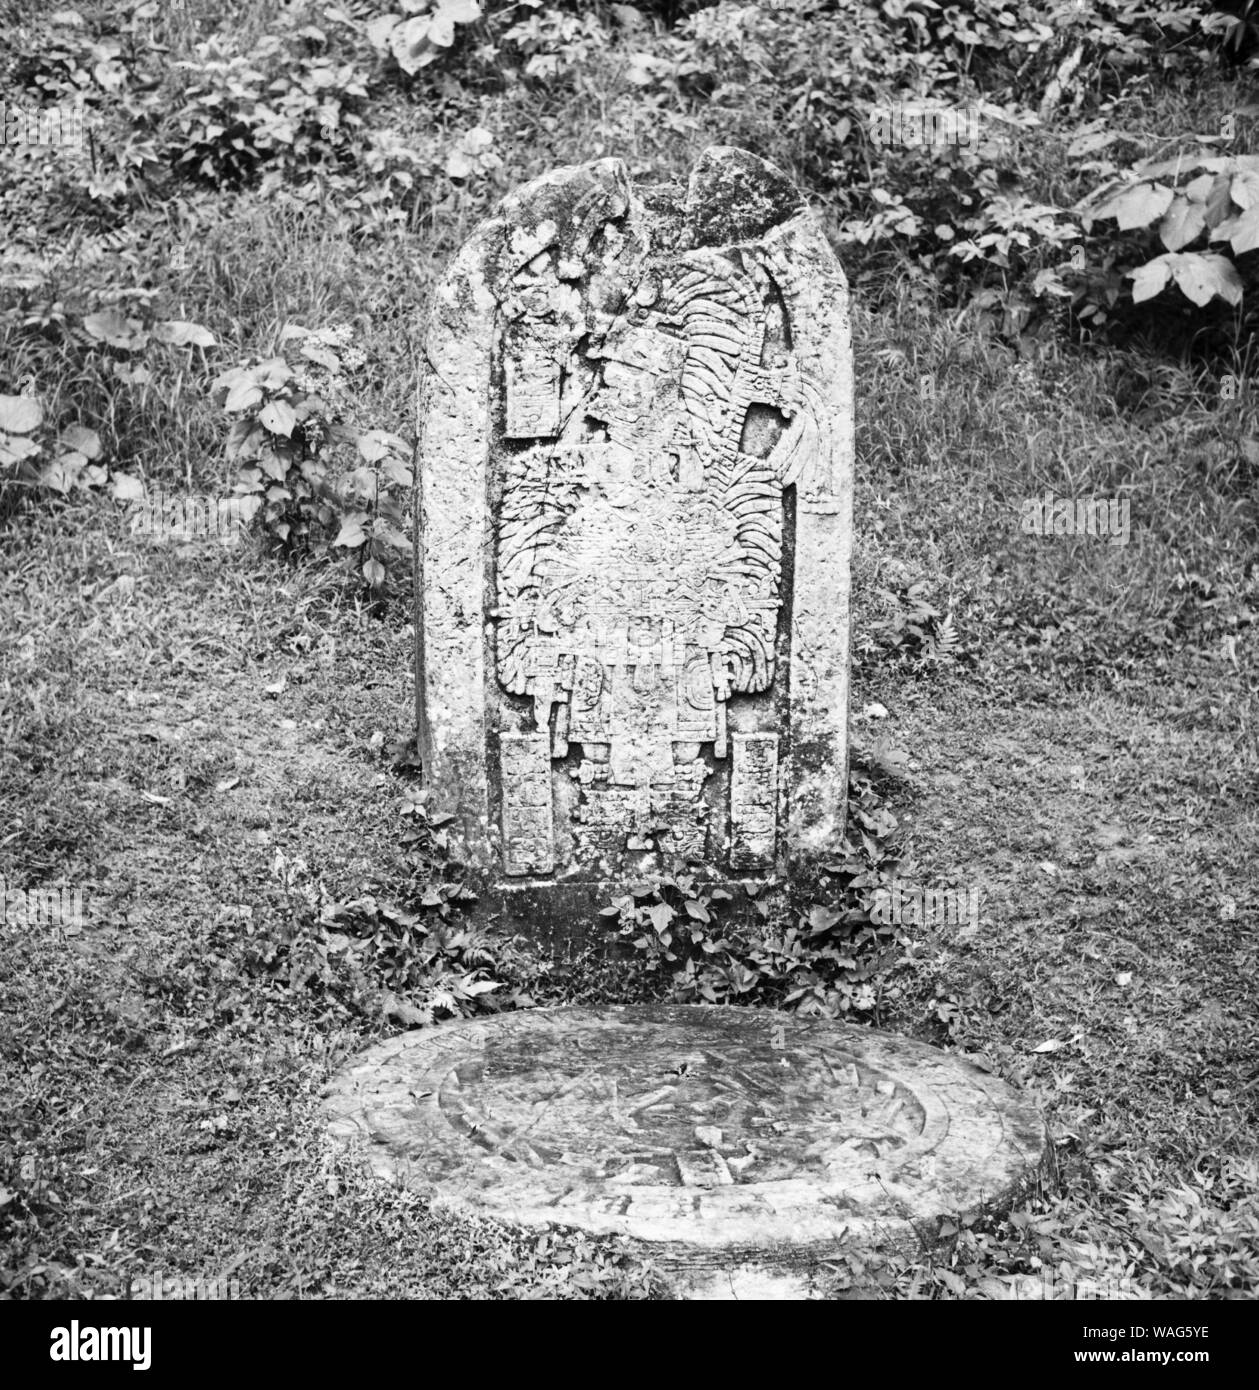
718 1134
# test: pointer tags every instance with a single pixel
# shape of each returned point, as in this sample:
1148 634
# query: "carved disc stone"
635 501
719 1135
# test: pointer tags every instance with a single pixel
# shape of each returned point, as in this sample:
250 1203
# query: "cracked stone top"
636 490
703 1129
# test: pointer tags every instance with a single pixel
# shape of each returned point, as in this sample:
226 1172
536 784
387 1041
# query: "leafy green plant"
1203 1232
270 106
370 956
101 62
72 451
20 417
951 218
553 42
111 328
1214 613
1009 231
813 950
289 421
1237 25
914 627
1197 198
423 32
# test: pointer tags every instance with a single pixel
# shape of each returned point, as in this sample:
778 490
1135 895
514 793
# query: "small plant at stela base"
810 948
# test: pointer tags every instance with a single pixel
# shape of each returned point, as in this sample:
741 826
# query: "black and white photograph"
628 666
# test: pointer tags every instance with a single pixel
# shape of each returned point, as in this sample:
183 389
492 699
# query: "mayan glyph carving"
636 454
700 1130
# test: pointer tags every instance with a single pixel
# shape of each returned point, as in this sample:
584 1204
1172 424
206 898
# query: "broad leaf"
273 466
380 31
1244 188
1201 275
1199 190
1150 279
391 535
81 440
1137 206
441 30
118 331
244 395
274 373
378 444
359 482
1241 232
1204 275
14 447
62 474
1183 222
128 488
661 915
351 533
179 333
1219 202
822 919
278 417
1049 282
321 355
20 414
408 43
244 440
396 472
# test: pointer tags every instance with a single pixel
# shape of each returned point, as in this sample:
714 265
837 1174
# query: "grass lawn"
198 737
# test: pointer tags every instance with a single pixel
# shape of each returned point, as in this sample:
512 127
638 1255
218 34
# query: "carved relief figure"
636 488
639 559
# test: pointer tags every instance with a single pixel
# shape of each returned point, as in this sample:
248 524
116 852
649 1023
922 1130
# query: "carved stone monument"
740 1144
635 518
636 479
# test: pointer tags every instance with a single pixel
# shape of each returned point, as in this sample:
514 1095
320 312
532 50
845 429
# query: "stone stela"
634 517
635 520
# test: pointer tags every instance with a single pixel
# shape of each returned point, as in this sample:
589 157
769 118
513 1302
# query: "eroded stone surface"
636 488
718 1134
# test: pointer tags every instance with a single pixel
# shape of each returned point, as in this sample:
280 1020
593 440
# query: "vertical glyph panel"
753 801
636 461
528 823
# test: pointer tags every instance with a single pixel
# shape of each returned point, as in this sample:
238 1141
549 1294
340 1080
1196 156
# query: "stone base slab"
725 1138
